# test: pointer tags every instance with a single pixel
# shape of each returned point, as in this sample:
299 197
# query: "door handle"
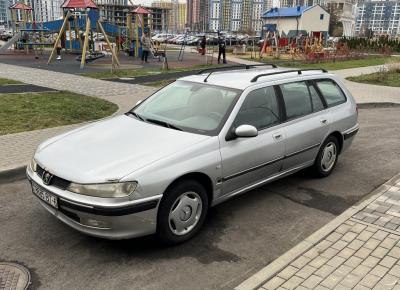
277 136
324 121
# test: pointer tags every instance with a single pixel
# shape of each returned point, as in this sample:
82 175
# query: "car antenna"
205 80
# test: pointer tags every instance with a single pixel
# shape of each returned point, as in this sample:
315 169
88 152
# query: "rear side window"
316 100
260 109
297 99
331 92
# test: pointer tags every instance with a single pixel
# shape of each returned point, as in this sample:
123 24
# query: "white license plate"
44 195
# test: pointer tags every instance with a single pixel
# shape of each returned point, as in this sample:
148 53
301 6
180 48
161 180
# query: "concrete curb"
377 105
11 175
266 273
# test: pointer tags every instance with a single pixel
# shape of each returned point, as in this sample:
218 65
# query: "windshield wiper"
163 123
136 115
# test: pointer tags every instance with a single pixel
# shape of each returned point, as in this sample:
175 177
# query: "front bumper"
100 217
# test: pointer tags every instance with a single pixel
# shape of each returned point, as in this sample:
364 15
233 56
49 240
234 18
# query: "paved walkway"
360 249
124 95
17 149
365 93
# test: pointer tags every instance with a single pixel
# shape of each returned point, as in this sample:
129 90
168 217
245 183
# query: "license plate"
44 195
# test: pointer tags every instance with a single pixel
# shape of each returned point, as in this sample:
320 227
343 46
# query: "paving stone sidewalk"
124 95
17 149
360 249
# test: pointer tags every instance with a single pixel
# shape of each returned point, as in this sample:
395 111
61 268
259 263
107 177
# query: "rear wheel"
327 157
182 212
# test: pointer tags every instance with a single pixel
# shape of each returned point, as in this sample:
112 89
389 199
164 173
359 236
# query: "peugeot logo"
46 177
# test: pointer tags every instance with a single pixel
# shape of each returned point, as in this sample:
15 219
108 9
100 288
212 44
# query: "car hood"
111 149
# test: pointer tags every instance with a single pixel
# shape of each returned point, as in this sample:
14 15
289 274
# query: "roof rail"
246 66
239 66
299 71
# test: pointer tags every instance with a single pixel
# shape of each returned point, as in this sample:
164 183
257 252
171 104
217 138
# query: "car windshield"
188 106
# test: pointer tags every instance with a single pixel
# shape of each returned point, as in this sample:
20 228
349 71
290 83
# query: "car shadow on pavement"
204 247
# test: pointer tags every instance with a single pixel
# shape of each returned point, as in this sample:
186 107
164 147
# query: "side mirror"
138 102
246 131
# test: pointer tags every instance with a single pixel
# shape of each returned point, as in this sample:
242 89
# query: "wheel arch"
200 177
339 138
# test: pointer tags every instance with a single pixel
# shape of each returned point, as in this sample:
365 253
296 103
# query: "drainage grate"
13 277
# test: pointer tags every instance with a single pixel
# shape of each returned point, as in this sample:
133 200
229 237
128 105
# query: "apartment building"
113 11
345 10
379 17
46 10
3 14
237 15
176 17
198 15
43 10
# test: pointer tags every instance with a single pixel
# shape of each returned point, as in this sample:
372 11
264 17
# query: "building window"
321 17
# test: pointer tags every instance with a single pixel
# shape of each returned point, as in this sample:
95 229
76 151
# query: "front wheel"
327 157
182 212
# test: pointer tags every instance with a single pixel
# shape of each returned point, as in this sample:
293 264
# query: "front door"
246 161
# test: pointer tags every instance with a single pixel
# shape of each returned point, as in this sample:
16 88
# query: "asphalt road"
240 236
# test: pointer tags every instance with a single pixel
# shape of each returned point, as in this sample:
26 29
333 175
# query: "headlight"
122 189
33 165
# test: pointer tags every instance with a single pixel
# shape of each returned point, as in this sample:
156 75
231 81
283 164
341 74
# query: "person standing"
221 49
58 48
146 44
203 45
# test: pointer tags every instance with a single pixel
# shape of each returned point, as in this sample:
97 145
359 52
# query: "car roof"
241 78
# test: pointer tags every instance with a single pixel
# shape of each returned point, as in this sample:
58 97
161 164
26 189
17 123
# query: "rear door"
306 123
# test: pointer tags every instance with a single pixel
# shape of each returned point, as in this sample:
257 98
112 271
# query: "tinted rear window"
297 99
331 92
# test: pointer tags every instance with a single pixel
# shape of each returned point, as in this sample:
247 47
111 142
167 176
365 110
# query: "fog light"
95 223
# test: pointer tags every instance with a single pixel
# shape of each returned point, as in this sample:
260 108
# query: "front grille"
55 181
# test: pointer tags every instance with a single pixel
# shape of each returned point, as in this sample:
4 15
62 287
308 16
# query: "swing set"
82 14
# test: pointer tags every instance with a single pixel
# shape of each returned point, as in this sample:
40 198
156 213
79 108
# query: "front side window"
260 109
331 92
194 107
297 99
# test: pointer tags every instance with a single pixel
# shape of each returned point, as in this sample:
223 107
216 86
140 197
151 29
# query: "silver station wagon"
193 144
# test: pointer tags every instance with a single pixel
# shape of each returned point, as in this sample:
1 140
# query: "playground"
100 66
82 43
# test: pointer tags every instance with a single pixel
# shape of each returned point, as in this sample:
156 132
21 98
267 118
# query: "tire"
182 212
324 167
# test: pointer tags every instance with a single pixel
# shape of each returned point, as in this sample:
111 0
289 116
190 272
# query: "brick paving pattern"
124 95
361 253
385 212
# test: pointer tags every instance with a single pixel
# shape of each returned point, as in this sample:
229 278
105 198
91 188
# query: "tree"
335 25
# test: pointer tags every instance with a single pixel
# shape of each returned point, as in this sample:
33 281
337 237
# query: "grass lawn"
340 64
391 79
32 111
125 73
4 82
